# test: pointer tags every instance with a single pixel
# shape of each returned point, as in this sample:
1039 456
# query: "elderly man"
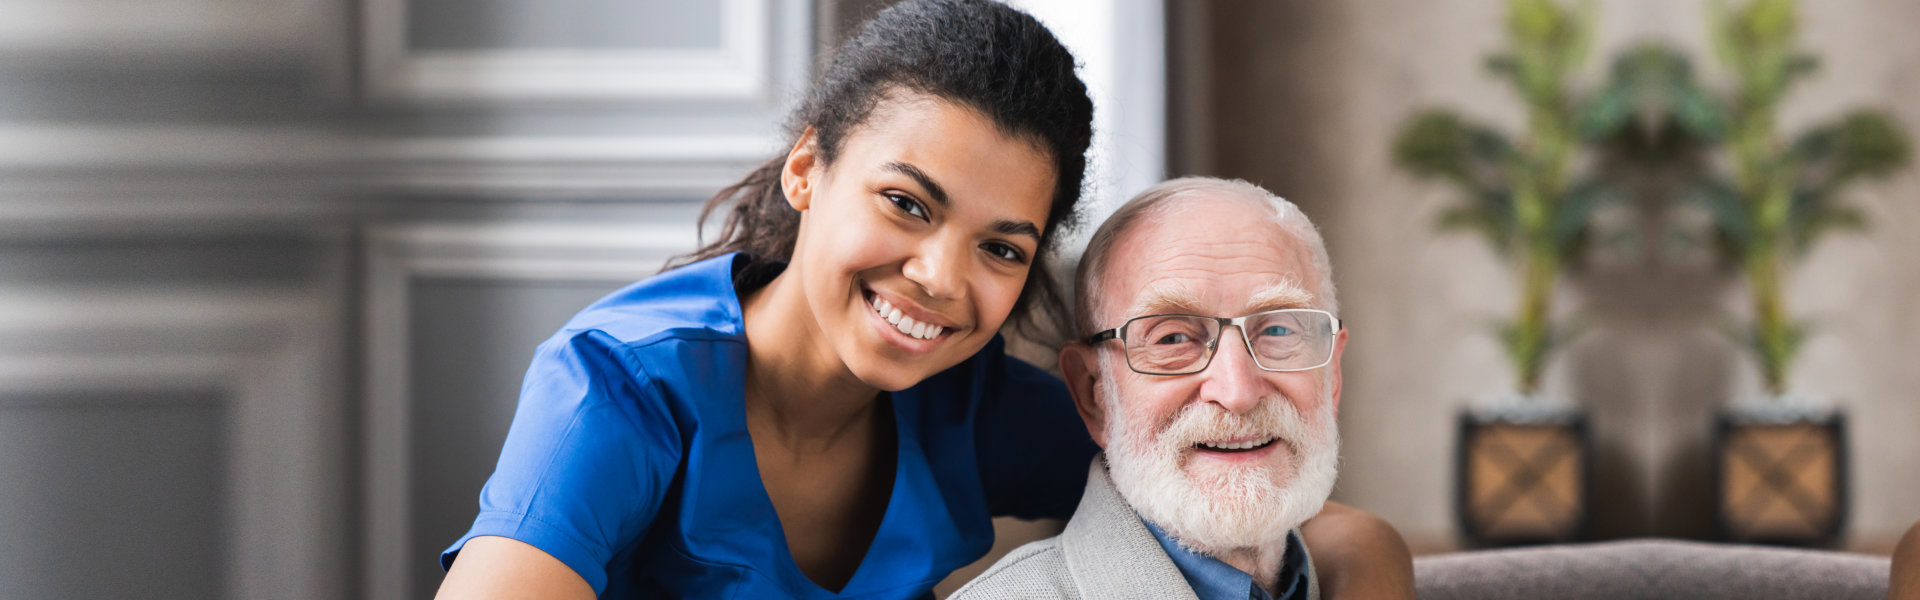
1210 374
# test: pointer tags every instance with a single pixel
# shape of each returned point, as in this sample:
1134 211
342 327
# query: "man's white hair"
1161 199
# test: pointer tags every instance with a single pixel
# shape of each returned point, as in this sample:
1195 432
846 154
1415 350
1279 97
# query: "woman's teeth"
905 323
1249 445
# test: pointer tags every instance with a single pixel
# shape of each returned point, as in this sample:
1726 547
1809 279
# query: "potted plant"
1524 464
1780 459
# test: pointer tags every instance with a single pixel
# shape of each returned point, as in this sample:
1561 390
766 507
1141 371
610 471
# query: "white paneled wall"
500 289
269 271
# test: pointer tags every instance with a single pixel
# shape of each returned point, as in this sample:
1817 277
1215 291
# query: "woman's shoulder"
695 301
677 334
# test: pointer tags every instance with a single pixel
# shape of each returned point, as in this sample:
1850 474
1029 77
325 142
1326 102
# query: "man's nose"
1232 380
939 267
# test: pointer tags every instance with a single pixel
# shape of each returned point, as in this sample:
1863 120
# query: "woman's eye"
1005 252
908 205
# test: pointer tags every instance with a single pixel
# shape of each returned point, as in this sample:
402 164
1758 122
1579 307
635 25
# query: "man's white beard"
1222 508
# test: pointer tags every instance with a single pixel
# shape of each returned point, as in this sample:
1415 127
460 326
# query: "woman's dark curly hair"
979 54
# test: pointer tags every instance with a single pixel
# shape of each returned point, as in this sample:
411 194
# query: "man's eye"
1276 331
1005 252
1174 338
908 205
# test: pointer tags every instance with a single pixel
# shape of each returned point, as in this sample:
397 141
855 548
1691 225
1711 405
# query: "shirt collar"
1212 579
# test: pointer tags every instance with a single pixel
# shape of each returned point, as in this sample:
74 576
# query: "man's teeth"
1240 446
905 323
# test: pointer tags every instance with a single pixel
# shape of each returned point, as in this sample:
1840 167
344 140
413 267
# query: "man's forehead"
1204 296
1259 253
1207 255
1198 222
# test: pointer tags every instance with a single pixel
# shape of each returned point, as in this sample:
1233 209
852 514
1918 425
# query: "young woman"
819 405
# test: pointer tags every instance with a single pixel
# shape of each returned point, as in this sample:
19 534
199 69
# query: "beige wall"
1304 97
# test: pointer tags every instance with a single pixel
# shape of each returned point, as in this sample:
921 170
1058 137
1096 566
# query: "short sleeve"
1032 446
587 461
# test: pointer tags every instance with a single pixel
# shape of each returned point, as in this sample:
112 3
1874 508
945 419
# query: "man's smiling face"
1223 457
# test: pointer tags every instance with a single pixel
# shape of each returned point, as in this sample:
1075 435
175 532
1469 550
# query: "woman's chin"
889 383
893 372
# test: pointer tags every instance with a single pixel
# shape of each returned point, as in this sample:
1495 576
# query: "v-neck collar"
912 499
775 529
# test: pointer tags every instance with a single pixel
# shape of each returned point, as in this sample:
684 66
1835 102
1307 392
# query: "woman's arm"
497 568
1358 556
1906 567
550 518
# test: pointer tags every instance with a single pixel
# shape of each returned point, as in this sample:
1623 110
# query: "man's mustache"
1206 422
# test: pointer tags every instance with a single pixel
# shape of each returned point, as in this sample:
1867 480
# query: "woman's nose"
939 268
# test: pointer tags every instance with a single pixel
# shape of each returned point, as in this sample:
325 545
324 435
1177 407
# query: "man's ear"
800 174
1080 367
1334 377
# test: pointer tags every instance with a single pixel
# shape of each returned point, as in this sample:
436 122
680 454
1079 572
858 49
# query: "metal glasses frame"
1240 322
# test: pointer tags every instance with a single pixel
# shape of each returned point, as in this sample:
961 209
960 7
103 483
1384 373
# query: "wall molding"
182 27
79 179
735 71
396 256
684 166
270 358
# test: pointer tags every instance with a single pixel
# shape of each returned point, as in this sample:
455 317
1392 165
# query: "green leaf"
1504 65
1439 143
1832 156
1534 21
1574 213
1547 41
1733 222
1436 144
1770 20
1814 217
1491 215
1801 65
1720 30
1868 143
1604 114
1699 115
1659 87
1489 148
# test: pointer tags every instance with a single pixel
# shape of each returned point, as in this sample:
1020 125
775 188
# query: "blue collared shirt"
629 458
1212 579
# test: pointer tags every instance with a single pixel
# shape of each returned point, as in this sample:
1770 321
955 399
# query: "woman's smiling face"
916 240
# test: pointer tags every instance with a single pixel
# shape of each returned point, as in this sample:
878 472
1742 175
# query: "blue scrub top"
629 460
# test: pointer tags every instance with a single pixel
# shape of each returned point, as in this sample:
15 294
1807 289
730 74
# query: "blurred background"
270 270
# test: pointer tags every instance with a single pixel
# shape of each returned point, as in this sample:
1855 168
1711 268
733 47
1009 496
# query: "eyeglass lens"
1280 340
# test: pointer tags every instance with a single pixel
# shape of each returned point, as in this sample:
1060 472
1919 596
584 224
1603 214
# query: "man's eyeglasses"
1293 339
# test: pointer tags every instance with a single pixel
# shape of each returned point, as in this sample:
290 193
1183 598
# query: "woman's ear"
798 176
1079 366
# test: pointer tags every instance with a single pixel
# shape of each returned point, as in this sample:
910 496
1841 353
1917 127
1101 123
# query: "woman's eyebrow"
938 193
1008 227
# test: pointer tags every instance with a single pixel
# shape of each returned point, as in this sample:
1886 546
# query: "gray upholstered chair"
1650 569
